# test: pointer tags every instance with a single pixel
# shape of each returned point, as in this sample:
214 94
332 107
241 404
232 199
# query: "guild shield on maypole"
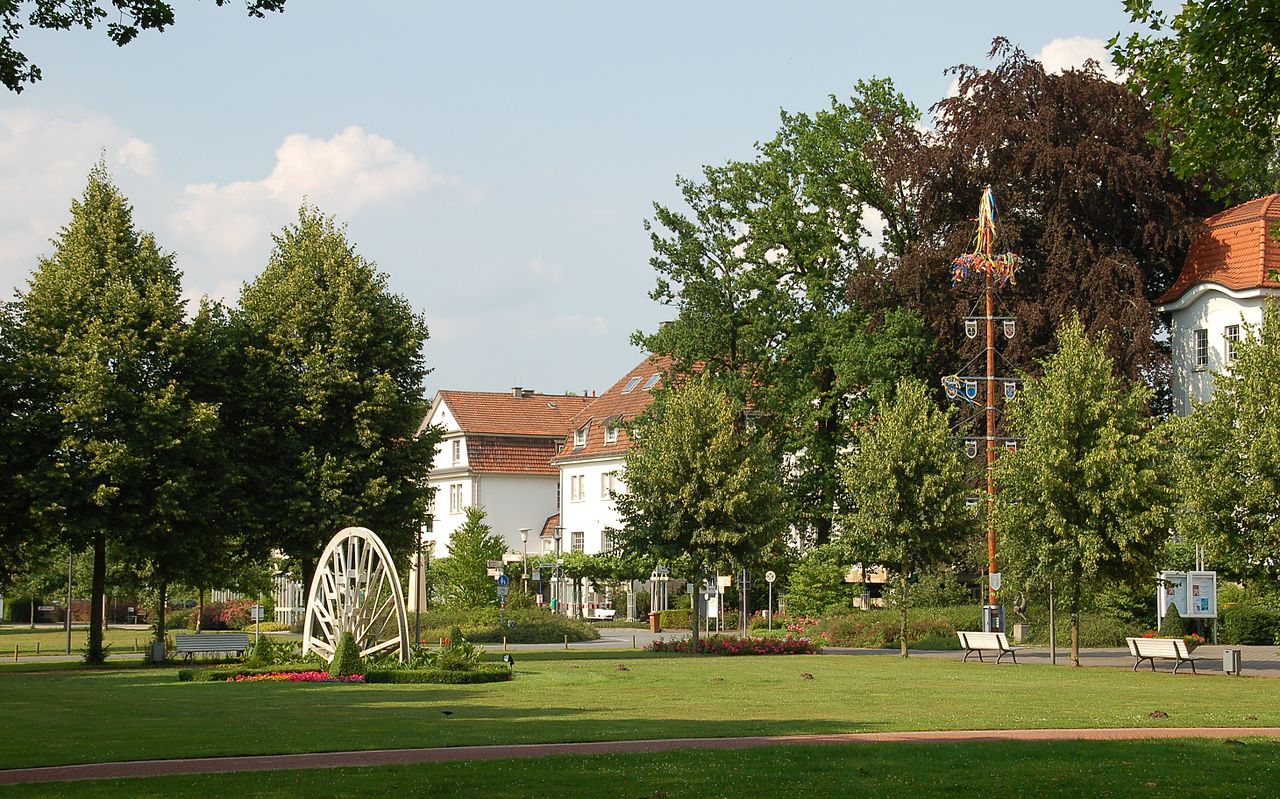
996 270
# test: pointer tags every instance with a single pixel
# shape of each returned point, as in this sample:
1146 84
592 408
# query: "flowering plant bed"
295 676
725 645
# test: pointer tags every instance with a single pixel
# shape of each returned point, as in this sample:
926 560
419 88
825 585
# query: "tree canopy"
906 489
1211 74
463 577
1083 194
132 17
332 395
1228 458
1083 502
758 268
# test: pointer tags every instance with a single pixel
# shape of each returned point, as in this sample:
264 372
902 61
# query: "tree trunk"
33 612
162 599
95 653
744 602
200 610
902 613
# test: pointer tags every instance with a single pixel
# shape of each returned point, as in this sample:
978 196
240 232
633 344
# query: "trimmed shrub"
676 619
346 660
731 645
261 652
927 628
224 673
1172 626
1245 625
179 620
483 672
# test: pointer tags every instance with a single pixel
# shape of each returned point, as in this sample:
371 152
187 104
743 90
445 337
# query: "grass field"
71 717
1245 769
54 642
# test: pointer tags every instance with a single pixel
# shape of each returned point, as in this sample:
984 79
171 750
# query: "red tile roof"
615 404
550 525
1237 251
502 413
512 455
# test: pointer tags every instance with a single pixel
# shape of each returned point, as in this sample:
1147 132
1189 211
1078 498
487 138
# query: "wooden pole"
989 290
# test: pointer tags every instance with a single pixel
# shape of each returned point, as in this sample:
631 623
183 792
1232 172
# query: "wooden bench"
1149 649
987 642
211 643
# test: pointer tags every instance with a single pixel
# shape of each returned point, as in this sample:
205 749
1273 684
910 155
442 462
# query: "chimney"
528 392
517 392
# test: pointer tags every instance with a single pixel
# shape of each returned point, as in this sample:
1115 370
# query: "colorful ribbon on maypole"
1003 268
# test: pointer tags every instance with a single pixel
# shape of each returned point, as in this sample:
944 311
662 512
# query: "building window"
455 498
611 434
631 385
651 382
1232 335
607 482
457 452
580 436
579 541
1201 343
576 492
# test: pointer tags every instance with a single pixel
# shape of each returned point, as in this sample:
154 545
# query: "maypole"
997 270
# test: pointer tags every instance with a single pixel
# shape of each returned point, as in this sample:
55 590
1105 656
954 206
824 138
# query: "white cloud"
138 156
549 273
1061 55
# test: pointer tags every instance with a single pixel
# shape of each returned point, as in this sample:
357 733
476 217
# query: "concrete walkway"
397 757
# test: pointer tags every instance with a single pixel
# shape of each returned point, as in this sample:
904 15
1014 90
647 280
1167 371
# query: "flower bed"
295 676
725 645
1192 640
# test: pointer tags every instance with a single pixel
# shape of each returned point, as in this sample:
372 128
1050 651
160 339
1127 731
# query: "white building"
1229 273
497 453
591 458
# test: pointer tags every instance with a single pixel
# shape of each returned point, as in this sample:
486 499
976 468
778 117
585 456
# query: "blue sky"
497 160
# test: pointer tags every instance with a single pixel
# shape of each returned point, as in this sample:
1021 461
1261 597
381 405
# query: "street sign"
502 590
493 572
723 581
495 564
46 608
769 576
537 575
255 613
503 580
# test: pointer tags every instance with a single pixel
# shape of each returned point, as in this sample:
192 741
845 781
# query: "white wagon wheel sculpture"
356 589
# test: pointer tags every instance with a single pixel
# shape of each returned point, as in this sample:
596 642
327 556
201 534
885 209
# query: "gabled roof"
624 399
512 455
1237 251
512 414
550 525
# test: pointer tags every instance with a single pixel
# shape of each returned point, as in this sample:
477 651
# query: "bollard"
633 642
566 642
15 653
504 643
135 644
37 647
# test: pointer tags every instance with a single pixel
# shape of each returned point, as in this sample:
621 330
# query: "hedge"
1244 625
676 619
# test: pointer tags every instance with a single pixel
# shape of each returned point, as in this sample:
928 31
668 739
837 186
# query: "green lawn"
54 642
1246 769
59 717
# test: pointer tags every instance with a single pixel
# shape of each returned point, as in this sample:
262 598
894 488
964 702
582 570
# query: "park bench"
601 614
987 642
1149 649
211 643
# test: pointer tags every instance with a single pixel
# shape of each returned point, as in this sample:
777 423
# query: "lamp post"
557 594
524 568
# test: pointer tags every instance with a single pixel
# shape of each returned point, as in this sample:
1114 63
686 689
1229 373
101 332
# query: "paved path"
395 757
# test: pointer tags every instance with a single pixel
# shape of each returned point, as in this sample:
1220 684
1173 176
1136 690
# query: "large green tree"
1228 456
331 396
118 434
906 487
702 482
1084 196
123 20
463 577
1084 501
757 269
1212 76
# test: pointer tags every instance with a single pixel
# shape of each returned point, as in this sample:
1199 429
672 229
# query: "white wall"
1212 308
594 513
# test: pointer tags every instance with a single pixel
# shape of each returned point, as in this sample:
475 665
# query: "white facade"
586 507
1203 323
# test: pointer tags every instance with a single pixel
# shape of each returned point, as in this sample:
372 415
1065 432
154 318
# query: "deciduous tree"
463 576
906 487
1228 457
701 482
758 267
1084 501
1211 74
331 378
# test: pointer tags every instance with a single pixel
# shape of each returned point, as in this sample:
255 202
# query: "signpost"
769 577
256 612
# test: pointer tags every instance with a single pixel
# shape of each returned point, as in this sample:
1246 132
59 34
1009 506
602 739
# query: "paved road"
387 757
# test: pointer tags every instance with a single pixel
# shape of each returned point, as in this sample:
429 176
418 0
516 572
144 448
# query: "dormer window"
611 433
580 436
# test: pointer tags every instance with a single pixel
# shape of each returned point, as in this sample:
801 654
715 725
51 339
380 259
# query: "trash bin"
1231 661
157 651
655 621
